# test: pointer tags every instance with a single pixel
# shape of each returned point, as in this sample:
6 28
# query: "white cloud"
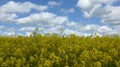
51 23
7 31
112 18
88 5
104 29
19 34
2 27
69 31
102 9
71 10
51 30
6 17
85 4
44 18
57 29
59 20
28 33
30 29
81 30
10 33
71 24
53 3
116 30
89 28
93 28
78 33
78 29
18 7
27 29
54 29
9 11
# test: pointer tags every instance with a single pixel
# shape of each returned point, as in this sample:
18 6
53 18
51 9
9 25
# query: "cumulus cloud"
9 11
27 29
71 24
9 31
103 9
54 29
53 3
51 23
81 30
71 10
57 29
116 30
2 27
30 29
93 28
18 7
89 5
112 18
85 4
70 31
28 33
6 17
78 29
104 29
89 28
44 18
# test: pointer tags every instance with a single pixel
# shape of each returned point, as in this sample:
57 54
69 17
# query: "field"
53 50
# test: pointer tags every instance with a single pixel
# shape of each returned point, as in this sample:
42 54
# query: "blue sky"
80 17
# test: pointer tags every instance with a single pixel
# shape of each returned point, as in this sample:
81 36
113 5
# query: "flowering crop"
53 50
